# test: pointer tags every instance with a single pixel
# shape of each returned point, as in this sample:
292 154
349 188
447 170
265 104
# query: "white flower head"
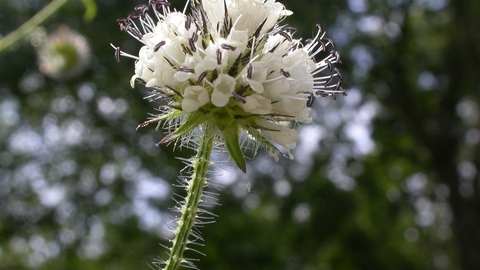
229 65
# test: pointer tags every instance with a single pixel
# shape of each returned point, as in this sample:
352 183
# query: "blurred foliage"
386 178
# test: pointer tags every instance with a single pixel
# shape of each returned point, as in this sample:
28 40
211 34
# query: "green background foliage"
385 178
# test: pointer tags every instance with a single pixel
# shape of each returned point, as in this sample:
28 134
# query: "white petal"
219 98
215 11
183 76
256 86
203 97
190 105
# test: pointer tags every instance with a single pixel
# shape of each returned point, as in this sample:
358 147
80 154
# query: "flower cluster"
230 66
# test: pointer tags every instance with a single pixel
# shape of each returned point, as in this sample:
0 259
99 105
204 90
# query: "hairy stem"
31 24
190 207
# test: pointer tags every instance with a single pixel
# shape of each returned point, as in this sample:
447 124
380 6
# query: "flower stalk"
41 17
31 24
190 207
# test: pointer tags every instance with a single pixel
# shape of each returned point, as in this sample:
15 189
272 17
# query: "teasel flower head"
63 54
230 66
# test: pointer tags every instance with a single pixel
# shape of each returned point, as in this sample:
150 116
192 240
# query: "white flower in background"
230 65
64 54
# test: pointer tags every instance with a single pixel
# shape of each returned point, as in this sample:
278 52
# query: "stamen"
329 65
133 15
228 47
143 9
238 97
285 35
135 33
117 54
329 41
310 100
289 28
249 71
327 83
186 70
285 73
195 36
159 45
122 24
219 57
336 71
159 4
188 23
191 42
339 84
201 77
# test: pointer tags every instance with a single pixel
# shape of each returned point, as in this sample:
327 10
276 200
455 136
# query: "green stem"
30 25
192 201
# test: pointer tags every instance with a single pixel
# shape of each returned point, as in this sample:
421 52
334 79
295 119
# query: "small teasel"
228 76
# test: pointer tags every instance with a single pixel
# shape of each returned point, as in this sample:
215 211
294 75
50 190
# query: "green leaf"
230 135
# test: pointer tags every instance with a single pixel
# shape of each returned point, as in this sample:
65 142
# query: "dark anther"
308 41
159 45
339 84
289 28
133 15
336 55
238 97
310 100
324 47
191 42
201 77
285 35
143 9
329 81
140 7
329 41
249 71
320 28
321 93
344 93
117 54
329 65
194 36
122 23
188 23
228 47
186 70
159 3
285 73
219 57
338 73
